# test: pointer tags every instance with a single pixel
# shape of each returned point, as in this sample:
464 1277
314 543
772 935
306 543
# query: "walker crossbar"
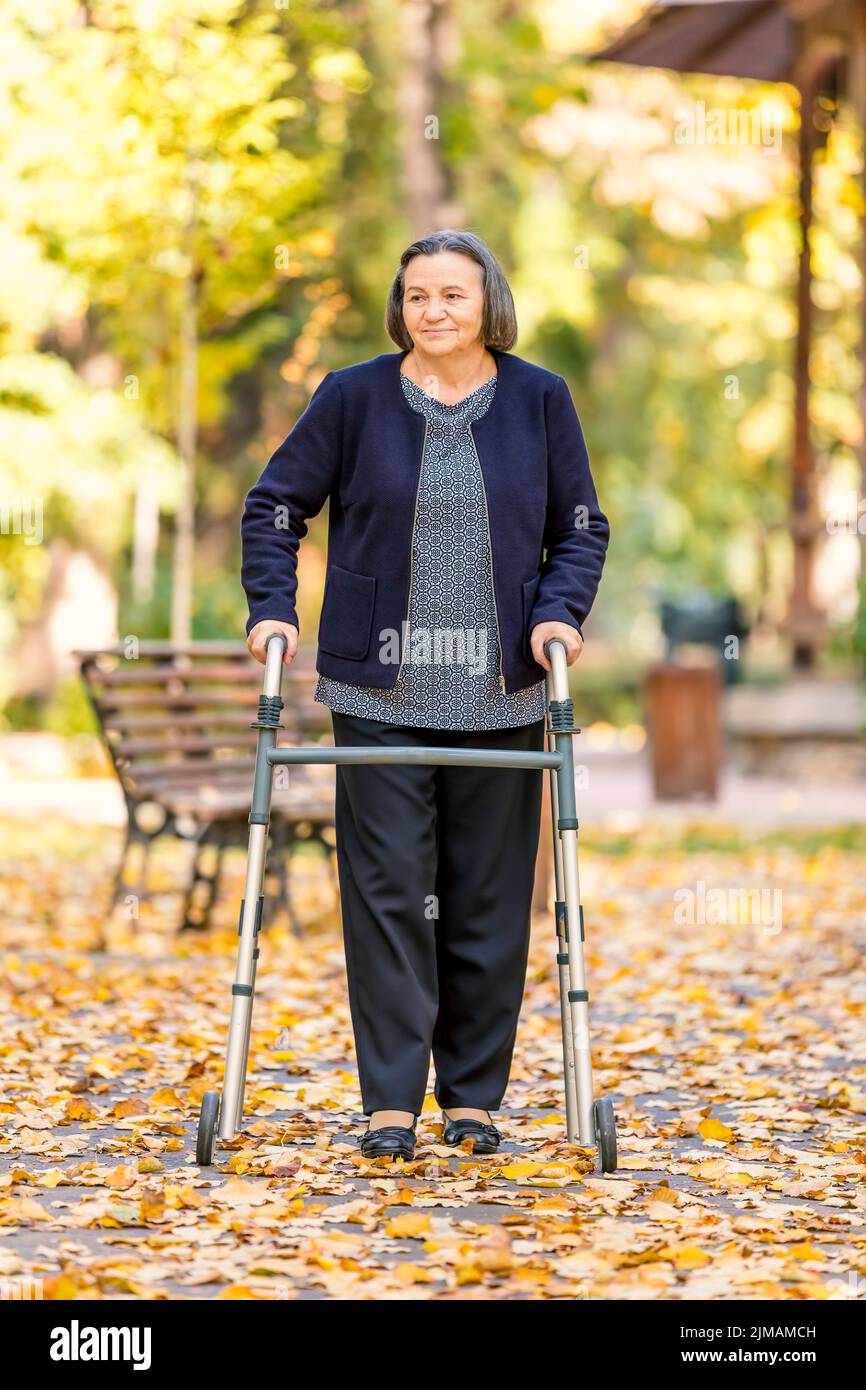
453 757
588 1122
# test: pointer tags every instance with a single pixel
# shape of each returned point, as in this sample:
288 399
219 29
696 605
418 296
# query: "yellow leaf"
121 1177
627 1034
709 1169
102 1066
152 1207
525 1273
239 1291
133 1106
80 1110
166 1095
711 1128
407 1273
409 1223
805 1251
62 1288
272 1097
119 1214
520 1170
53 1178
663 1194
758 1090
150 1165
240 1192
16 1209
686 1256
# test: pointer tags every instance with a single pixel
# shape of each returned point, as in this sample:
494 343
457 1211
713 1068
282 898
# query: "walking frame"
589 1123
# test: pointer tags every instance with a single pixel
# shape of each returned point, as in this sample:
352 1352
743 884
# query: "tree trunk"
184 539
427 37
145 538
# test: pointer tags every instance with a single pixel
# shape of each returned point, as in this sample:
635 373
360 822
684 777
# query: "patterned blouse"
450 677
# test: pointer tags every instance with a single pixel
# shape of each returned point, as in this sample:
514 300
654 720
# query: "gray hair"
498 320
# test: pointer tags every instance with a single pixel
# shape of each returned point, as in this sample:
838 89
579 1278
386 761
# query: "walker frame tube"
561 918
582 1114
569 911
238 1045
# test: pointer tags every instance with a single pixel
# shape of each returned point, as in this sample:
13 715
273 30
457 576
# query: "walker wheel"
605 1133
207 1123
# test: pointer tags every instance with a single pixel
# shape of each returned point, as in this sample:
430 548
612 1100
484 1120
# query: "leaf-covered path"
733 1050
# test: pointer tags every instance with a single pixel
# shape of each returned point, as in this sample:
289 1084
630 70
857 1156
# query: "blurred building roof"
734 38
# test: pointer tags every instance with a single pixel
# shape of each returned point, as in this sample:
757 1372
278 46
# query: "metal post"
237 1048
561 719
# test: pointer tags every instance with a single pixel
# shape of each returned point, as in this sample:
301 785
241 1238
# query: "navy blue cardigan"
360 444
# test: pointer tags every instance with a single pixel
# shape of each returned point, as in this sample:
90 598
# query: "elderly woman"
450 467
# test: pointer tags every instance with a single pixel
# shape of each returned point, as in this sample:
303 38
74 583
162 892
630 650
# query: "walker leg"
595 1120
578 995
237 1049
230 1106
568 1067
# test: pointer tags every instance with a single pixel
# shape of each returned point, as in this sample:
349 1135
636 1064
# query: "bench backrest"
175 712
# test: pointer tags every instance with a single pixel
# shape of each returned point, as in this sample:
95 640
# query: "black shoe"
485 1138
389 1141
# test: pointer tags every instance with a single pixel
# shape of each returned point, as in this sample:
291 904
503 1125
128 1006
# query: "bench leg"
282 841
209 839
135 839
330 852
118 884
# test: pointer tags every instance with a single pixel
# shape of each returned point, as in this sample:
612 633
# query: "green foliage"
259 152
718 838
858 635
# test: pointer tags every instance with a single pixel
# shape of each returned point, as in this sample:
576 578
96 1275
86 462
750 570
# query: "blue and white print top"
450 678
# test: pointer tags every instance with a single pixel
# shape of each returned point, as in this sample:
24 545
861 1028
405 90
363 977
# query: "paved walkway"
615 792
734 1057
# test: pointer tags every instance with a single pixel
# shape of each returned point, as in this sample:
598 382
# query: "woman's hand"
258 638
569 635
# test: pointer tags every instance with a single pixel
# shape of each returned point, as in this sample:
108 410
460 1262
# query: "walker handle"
555 651
275 646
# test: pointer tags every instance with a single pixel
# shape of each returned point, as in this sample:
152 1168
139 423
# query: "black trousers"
436 868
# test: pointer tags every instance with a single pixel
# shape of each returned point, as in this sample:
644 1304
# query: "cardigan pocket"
529 590
347 613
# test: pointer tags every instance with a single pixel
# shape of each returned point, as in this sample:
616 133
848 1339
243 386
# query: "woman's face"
443 302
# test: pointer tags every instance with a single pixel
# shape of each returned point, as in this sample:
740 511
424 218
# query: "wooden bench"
176 723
